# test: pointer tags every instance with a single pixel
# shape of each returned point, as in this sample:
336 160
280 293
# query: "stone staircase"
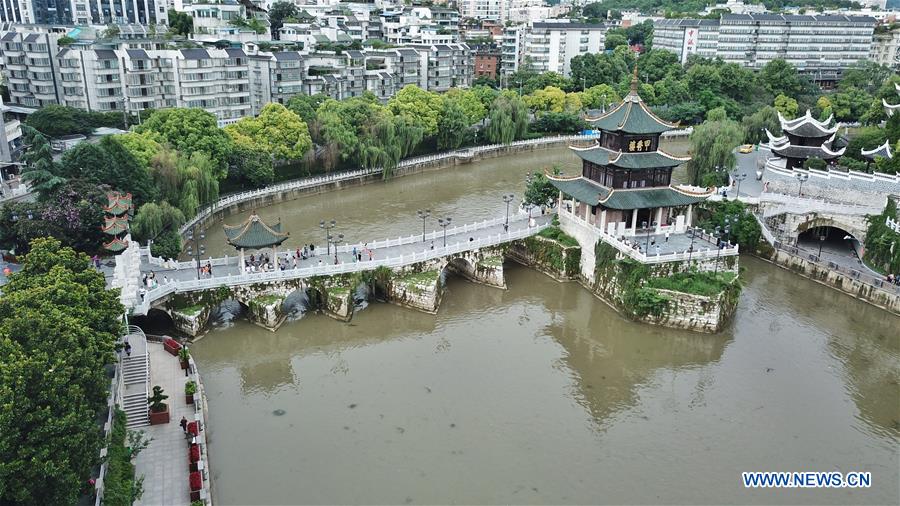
136 379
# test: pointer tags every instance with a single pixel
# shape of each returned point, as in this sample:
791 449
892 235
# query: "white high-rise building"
550 46
821 46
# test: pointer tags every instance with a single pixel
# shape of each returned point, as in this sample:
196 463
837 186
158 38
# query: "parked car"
746 148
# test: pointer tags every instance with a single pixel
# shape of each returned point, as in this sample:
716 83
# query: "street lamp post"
335 240
801 178
529 207
739 178
424 214
507 199
197 248
693 234
327 228
444 223
647 241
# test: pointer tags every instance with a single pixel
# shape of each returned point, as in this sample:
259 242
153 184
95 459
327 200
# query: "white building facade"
821 46
550 46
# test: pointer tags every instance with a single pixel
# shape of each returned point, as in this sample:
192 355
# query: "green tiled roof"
648 160
583 190
591 193
631 116
254 234
649 197
115 225
116 245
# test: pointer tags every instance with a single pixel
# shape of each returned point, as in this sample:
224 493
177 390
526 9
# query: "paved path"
164 464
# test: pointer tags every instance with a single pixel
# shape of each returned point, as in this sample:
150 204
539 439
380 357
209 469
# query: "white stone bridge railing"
781 203
434 235
332 269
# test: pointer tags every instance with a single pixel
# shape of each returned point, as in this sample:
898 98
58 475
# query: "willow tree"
453 127
508 120
712 147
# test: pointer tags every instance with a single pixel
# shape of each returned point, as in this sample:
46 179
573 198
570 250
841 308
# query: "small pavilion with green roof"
626 180
255 234
118 212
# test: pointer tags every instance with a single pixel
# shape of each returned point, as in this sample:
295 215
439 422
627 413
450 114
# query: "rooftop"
254 234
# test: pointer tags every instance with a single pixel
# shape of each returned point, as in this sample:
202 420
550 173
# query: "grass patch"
492 262
698 283
267 300
190 310
419 278
556 234
338 291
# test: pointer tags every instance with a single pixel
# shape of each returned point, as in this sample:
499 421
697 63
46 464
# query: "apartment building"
886 48
484 9
512 45
85 12
550 46
230 83
686 37
821 46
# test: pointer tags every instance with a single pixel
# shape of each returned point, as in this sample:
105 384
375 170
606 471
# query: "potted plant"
184 354
159 411
193 429
195 453
172 346
190 388
196 483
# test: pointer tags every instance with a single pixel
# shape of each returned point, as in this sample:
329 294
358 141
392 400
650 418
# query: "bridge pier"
418 286
191 320
267 311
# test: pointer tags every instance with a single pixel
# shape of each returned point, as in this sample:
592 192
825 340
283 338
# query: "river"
542 393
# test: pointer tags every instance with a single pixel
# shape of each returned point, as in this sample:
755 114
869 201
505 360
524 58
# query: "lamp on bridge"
507 199
196 249
423 214
444 223
327 227
255 234
335 240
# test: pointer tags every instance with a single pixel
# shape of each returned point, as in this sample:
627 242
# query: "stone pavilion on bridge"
255 234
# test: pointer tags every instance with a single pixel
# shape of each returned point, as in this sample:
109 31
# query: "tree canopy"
58 329
277 131
189 131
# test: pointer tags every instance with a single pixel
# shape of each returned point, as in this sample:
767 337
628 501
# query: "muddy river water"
541 393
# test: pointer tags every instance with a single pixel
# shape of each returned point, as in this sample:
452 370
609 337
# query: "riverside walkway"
180 277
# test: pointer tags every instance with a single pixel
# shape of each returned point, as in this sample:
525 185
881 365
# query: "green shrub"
119 485
698 283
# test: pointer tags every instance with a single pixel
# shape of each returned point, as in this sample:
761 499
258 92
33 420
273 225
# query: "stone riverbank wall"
851 282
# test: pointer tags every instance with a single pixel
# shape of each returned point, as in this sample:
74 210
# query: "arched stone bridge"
407 271
792 215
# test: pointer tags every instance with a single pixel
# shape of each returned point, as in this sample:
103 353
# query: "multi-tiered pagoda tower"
626 179
118 212
804 138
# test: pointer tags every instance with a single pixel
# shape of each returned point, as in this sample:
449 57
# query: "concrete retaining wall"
888 300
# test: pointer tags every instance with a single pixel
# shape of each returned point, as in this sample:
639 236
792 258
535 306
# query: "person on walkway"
143 292
209 268
165 280
320 262
312 250
432 244
667 236
359 257
127 348
295 262
183 424
354 252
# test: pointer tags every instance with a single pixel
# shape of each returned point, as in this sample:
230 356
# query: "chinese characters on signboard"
639 145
